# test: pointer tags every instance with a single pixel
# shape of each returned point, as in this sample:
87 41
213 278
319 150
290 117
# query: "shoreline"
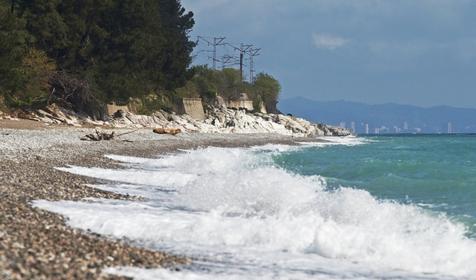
38 244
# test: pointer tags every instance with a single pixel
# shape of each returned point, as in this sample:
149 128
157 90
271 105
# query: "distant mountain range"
383 118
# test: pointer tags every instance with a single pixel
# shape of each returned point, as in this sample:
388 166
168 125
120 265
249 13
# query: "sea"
379 207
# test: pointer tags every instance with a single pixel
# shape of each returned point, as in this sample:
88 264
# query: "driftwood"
101 135
171 131
98 136
129 132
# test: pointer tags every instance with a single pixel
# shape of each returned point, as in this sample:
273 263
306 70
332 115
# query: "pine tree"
122 48
14 41
126 48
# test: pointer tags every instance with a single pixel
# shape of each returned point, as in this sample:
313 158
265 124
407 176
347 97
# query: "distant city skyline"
409 52
377 103
365 128
384 118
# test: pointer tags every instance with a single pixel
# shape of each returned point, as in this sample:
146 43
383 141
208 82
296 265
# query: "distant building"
352 127
450 128
366 128
405 126
342 124
377 130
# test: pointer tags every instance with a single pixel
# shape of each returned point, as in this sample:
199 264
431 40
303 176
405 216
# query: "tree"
230 82
46 25
36 69
268 88
95 51
14 41
208 83
124 48
148 49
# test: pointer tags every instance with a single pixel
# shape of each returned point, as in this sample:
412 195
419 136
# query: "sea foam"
247 218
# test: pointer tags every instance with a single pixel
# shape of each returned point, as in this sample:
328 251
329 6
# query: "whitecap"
235 209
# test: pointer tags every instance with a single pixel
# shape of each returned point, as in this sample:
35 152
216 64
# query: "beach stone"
36 244
218 119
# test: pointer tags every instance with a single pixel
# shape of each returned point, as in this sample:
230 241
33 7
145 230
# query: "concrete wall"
240 104
193 107
113 108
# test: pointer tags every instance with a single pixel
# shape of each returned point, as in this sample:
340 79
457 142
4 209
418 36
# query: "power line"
228 60
242 49
252 52
214 42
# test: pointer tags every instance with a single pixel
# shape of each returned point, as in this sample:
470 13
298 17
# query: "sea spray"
237 208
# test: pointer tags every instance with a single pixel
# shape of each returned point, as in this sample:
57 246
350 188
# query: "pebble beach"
36 244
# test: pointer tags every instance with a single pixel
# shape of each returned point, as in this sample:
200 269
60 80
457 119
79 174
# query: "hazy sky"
420 52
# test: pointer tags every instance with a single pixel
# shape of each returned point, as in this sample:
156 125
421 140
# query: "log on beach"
171 131
98 136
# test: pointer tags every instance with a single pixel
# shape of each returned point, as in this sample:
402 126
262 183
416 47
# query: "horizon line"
379 104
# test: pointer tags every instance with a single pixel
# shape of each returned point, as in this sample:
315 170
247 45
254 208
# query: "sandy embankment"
35 244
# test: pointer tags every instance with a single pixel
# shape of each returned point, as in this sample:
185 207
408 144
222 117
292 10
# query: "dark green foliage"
84 53
120 48
268 88
45 24
208 83
24 70
13 46
35 70
150 103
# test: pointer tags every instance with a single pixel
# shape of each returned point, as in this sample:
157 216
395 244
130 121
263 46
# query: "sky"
418 52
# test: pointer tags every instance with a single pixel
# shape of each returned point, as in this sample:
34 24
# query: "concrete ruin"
112 108
192 107
240 101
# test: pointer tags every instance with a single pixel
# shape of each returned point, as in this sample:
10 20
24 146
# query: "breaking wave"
244 216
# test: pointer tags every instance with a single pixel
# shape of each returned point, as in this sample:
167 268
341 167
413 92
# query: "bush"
268 88
207 83
76 94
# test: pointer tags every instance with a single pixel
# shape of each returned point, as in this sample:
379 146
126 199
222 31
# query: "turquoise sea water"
437 172
388 207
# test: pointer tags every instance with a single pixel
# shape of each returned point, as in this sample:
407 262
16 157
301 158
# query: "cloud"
328 41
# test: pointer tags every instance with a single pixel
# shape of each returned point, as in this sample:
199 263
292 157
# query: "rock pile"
53 114
223 120
218 120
